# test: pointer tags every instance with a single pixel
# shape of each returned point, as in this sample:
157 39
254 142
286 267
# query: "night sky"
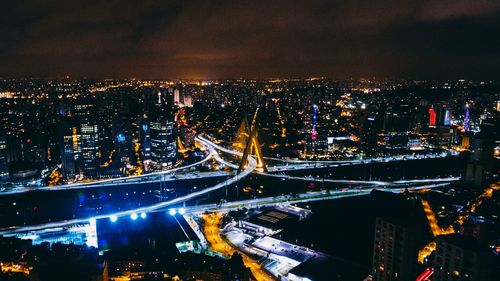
226 39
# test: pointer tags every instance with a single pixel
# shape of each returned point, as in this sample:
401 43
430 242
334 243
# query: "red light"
432 117
425 275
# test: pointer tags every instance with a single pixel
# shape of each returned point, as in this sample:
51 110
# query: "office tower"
89 146
122 140
460 257
177 97
188 101
79 139
467 117
4 168
432 118
79 149
163 143
401 230
69 144
447 117
145 138
162 130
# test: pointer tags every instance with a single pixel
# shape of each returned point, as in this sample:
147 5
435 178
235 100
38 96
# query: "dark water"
42 206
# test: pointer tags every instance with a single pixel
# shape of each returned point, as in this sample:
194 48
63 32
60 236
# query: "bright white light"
143 215
172 212
182 211
133 216
113 218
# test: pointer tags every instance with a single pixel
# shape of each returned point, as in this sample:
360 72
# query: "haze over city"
250 141
261 39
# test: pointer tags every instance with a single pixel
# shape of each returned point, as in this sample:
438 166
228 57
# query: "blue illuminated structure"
314 133
467 118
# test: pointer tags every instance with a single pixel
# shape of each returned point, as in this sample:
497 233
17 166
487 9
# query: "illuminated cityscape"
382 167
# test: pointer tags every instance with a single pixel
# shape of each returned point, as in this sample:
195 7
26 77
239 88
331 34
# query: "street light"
143 215
182 211
172 212
113 218
133 216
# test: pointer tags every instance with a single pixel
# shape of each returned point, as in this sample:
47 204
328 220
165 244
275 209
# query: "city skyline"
192 140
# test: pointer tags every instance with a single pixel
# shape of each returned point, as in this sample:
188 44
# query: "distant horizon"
200 79
206 40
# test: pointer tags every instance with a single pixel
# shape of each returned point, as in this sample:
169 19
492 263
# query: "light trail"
361 182
212 145
252 165
318 164
102 183
213 236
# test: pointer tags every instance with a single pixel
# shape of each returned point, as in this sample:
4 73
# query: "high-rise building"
163 143
467 117
79 142
447 117
79 149
188 100
432 118
162 130
400 232
177 97
69 144
460 257
122 140
89 146
145 138
4 168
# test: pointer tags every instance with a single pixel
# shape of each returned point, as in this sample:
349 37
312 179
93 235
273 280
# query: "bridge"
251 161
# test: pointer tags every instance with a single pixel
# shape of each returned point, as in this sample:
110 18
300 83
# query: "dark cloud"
343 38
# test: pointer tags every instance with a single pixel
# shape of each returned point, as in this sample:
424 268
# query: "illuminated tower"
314 133
162 129
447 117
177 97
466 119
252 146
432 118
163 143
69 144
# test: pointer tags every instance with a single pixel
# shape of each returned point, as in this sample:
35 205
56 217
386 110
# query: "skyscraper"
145 137
400 232
467 117
177 97
460 257
432 118
162 129
163 144
79 142
447 117
4 168
69 143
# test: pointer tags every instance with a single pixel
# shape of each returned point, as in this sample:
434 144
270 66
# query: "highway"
292 165
108 182
248 170
213 236
323 195
314 164
361 182
310 164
